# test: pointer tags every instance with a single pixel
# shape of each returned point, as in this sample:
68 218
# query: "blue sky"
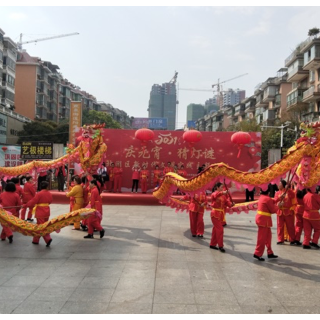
122 51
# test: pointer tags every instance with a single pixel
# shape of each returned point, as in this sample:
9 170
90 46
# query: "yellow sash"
39 205
218 209
268 214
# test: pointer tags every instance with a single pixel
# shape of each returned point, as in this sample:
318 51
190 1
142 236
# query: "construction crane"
218 85
20 43
174 79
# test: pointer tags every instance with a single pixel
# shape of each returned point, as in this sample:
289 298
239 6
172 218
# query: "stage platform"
130 199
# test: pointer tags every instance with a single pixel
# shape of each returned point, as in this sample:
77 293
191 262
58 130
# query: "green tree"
98 117
38 131
48 131
313 32
271 139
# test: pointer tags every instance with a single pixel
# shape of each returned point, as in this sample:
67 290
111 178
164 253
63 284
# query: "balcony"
249 109
296 103
312 58
277 102
260 102
297 74
311 116
239 111
312 94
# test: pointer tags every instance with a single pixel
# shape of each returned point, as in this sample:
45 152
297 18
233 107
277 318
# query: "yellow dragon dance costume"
302 161
90 153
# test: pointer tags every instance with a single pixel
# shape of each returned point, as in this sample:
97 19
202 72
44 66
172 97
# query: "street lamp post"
281 127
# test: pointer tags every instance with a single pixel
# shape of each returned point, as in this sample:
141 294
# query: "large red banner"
214 147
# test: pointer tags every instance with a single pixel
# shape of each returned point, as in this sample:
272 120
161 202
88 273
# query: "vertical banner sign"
74 125
74 120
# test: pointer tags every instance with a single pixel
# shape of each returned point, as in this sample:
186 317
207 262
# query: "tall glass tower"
162 103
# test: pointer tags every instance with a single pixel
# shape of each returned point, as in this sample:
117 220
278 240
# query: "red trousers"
23 213
6 232
93 223
196 223
217 233
117 183
289 221
111 185
308 225
144 185
263 239
45 237
298 227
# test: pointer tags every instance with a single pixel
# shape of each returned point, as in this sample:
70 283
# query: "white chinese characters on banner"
10 156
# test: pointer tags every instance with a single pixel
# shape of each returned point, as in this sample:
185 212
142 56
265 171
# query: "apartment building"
117 115
267 104
8 57
304 74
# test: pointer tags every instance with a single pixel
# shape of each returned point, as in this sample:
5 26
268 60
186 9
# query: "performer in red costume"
266 206
94 221
311 220
29 191
117 178
156 177
19 190
41 203
197 205
135 177
182 172
168 168
111 177
144 175
11 202
299 209
285 199
219 203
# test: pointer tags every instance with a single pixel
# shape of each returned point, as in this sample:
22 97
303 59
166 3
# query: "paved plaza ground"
149 263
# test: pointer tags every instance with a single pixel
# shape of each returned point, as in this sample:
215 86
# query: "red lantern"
241 138
144 135
192 136
4 148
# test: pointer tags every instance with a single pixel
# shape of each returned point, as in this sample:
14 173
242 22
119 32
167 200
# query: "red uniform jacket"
135 174
19 190
288 202
299 207
156 175
167 169
144 174
42 197
29 191
196 201
85 193
182 173
266 206
10 199
95 200
117 171
311 206
219 203
111 173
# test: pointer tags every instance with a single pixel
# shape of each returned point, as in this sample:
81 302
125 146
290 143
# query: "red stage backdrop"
214 147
